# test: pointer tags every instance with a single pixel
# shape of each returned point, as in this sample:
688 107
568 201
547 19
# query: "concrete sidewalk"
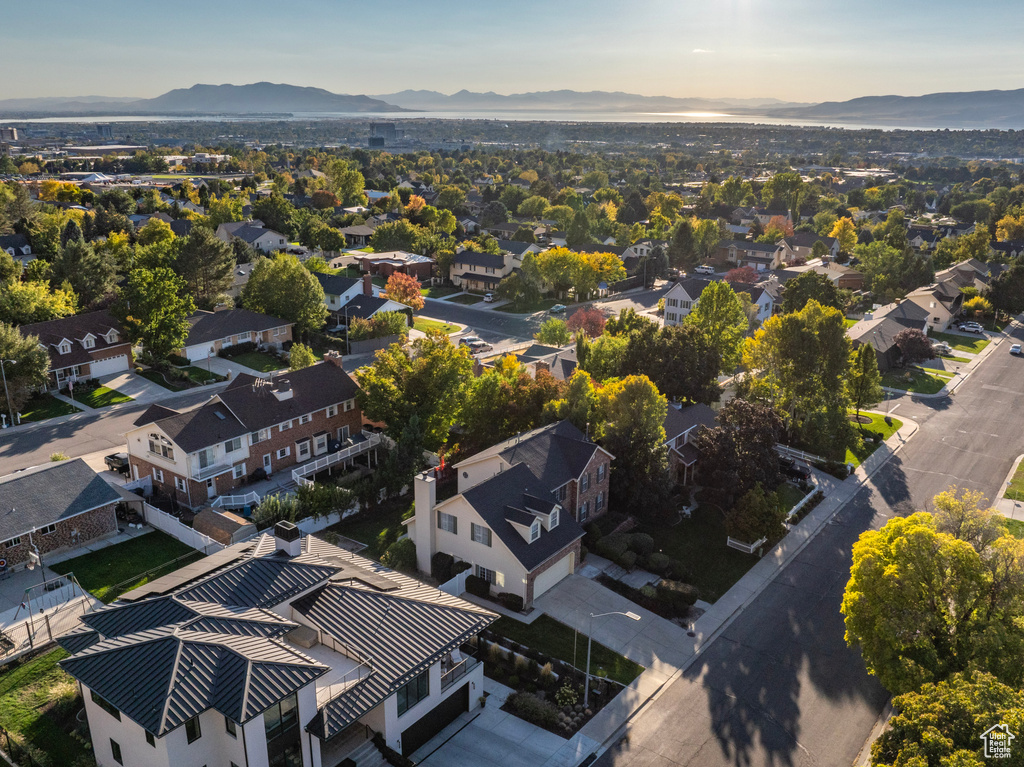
1008 507
669 653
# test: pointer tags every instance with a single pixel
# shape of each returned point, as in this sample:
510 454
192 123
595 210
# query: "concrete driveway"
655 643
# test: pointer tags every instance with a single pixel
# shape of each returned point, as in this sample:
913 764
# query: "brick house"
213 331
518 515
86 345
54 507
274 425
386 264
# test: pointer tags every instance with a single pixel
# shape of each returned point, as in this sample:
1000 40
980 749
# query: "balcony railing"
300 473
454 674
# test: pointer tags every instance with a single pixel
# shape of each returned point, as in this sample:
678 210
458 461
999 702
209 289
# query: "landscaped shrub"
594 534
459 567
835 468
512 602
567 695
401 555
441 566
523 665
233 351
477 586
386 537
513 681
546 676
626 560
177 359
658 563
613 546
681 595
641 543
533 709
583 553
677 570
496 653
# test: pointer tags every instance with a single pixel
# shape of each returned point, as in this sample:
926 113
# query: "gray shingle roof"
74 329
50 493
213 326
335 284
678 420
364 307
473 258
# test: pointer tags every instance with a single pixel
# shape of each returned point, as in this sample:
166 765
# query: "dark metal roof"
259 583
50 493
213 326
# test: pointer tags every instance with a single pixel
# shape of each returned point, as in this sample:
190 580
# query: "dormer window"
553 519
89 342
64 348
111 337
535 530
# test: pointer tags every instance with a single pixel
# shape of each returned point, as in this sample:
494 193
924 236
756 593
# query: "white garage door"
553 575
109 366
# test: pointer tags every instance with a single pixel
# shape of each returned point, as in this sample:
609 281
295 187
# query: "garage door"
553 575
433 722
108 366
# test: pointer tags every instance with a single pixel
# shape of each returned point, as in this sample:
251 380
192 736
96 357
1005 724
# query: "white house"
275 652
681 298
518 513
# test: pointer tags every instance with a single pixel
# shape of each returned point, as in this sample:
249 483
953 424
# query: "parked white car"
704 269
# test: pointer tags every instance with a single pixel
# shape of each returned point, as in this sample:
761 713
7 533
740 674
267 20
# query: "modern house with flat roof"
281 651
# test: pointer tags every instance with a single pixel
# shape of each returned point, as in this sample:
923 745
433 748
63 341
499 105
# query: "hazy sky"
799 50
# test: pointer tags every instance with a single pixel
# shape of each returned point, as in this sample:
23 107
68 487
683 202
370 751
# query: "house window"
48 529
280 331
480 533
115 751
158 475
243 337
284 452
350 404
535 531
281 717
229 727
232 445
89 343
584 511
206 458
111 337
102 703
561 493
150 739
192 730
332 410
599 503
179 484
285 426
238 471
305 419
585 484
600 473
302 449
491 576
161 446
684 304
553 519
320 443
16 541
413 692
448 522
64 348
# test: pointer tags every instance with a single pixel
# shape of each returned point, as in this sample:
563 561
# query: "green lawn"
963 343
699 542
102 397
537 306
849 323
201 375
380 282
423 325
38 704
1016 527
467 299
913 380
110 572
158 378
258 361
1016 489
439 291
43 406
552 638
953 358
366 526
862 450
789 495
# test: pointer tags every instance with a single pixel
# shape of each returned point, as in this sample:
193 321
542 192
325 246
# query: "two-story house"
338 291
282 651
87 345
196 455
758 255
800 246
681 427
518 515
480 271
681 298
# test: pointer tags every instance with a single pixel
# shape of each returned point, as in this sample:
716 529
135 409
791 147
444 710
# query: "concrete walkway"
135 386
1008 507
662 647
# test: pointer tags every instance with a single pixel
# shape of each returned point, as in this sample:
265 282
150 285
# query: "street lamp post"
7 396
590 640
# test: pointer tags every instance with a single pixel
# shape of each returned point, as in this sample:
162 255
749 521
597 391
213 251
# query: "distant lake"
495 116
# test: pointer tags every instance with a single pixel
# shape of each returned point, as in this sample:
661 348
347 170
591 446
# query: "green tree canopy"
720 318
810 285
28 370
91 275
154 308
553 332
282 287
207 265
300 356
863 380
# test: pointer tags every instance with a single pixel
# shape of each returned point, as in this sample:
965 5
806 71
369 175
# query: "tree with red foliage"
589 319
404 289
323 199
781 223
745 274
914 345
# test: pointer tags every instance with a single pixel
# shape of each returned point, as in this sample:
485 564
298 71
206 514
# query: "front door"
211 488
266 463
343 434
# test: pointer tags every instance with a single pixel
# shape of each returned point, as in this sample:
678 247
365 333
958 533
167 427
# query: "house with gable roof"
88 345
517 517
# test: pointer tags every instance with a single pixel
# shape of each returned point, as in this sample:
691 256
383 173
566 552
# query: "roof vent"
288 538
282 389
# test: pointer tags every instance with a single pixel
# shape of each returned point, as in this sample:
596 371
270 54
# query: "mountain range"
971 109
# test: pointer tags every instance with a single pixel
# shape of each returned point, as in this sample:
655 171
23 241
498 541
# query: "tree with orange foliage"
588 319
744 274
404 289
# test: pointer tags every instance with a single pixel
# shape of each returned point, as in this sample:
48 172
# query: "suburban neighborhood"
379 451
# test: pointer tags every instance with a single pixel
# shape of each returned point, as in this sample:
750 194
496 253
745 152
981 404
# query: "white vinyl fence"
173 526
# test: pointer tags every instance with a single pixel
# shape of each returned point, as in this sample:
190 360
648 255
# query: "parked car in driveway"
557 309
970 327
790 468
117 462
704 269
489 298
942 348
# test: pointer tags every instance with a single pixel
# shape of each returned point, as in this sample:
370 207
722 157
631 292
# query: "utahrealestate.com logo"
997 739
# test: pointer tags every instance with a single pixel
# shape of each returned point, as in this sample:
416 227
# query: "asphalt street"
779 686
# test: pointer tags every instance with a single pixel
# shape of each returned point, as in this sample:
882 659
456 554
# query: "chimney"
425 495
333 357
367 284
282 389
288 538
